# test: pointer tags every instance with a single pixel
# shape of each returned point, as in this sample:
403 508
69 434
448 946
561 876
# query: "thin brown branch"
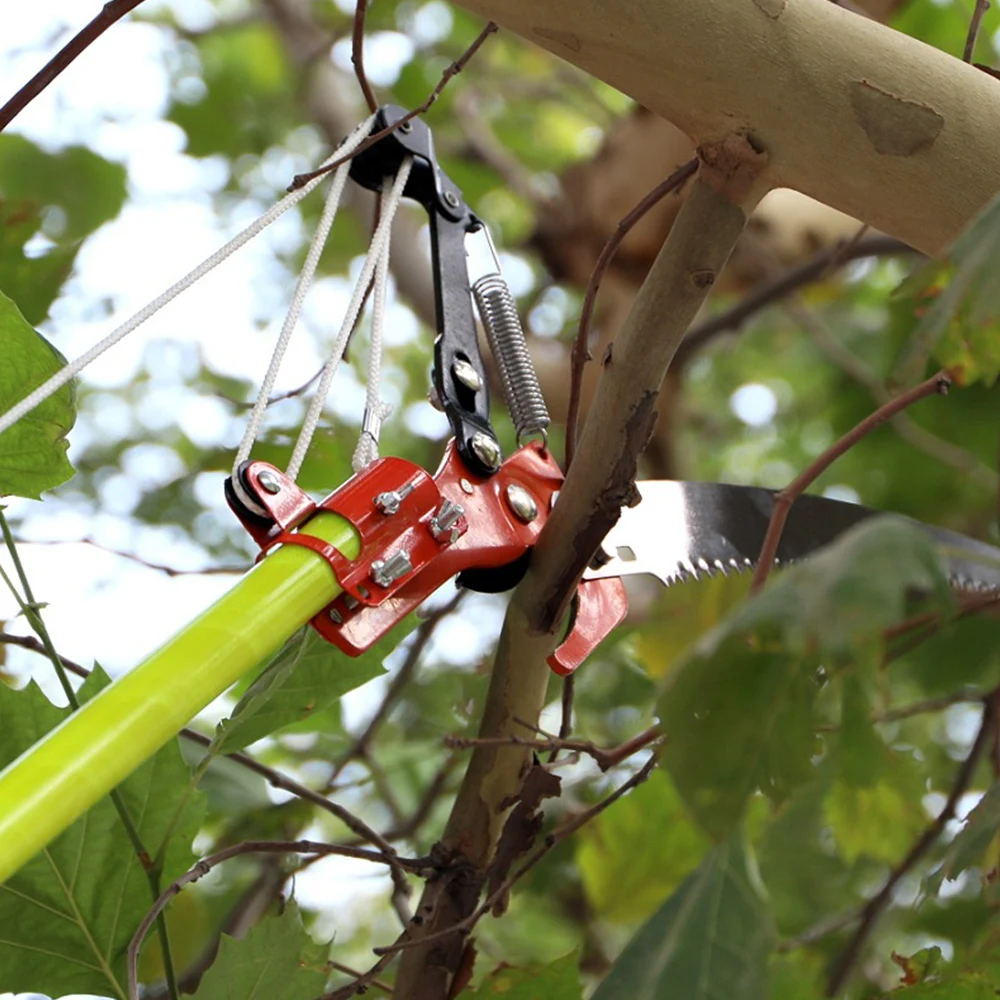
111 12
936 385
581 352
359 749
975 22
928 706
874 908
203 867
363 981
170 571
604 757
816 268
566 712
358 54
557 836
348 971
452 70
946 452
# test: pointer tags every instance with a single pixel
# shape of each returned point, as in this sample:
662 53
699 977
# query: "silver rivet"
486 449
522 503
467 375
466 486
406 127
269 482
451 199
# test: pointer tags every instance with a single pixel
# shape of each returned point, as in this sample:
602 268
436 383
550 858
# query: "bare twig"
170 571
874 908
581 353
566 709
203 867
975 22
605 758
903 424
358 55
363 981
111 12
816 268
557 836
348 971
359 749
452 70
929 705
783 500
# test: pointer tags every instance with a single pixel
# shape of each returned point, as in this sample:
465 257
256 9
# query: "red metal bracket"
418 532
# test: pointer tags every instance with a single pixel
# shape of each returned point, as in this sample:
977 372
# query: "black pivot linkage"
460 376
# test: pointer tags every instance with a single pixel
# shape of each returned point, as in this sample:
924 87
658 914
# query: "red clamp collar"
418 532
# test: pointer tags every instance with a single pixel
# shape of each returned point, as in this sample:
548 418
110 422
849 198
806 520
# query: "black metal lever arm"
459 373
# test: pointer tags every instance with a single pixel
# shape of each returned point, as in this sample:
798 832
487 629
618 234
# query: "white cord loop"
379 249
71 370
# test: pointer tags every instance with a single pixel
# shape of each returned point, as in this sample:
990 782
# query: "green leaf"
626 871
971 842
67 917
710 941
558 981
306 676
950 309
33 451
956 988
86 189
275 961
739 706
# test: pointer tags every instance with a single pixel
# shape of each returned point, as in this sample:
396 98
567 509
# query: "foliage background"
174 131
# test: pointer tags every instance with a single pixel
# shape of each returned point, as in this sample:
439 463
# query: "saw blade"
683 530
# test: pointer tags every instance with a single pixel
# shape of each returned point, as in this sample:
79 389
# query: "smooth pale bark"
695 252
851 112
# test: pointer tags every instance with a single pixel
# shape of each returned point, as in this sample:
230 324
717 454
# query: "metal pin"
269 482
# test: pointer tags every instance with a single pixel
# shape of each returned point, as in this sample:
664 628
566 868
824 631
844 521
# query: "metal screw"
269 482
386 571
335 616
389 501
522 503
486 449
406 127
451 199
444 524
466 486
467 375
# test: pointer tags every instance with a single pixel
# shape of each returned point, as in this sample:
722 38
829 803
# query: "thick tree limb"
599 481
852 113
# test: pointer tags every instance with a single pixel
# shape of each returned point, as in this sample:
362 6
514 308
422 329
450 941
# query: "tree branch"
111 12
783 499
358 54
597 485
876 905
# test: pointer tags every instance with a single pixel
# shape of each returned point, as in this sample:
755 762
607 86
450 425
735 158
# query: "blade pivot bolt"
522 503
269 482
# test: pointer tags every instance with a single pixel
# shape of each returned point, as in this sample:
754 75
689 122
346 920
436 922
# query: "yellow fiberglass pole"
54 782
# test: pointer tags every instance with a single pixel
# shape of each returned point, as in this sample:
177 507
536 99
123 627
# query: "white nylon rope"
379 247
71 370
376 408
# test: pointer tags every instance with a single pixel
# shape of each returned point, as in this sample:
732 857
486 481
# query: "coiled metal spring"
498 312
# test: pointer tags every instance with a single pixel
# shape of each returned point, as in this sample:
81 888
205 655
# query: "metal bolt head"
406 127
444 524
386 571
522 503
486 449
466 486
467 375
451 199
269 482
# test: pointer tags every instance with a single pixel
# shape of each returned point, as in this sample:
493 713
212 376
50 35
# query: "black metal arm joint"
460 377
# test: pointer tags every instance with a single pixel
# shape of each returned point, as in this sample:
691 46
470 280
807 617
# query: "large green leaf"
710 941
275 961
558 981
67 917
971 842
738 708
306 676
950 309
33 451
634 855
